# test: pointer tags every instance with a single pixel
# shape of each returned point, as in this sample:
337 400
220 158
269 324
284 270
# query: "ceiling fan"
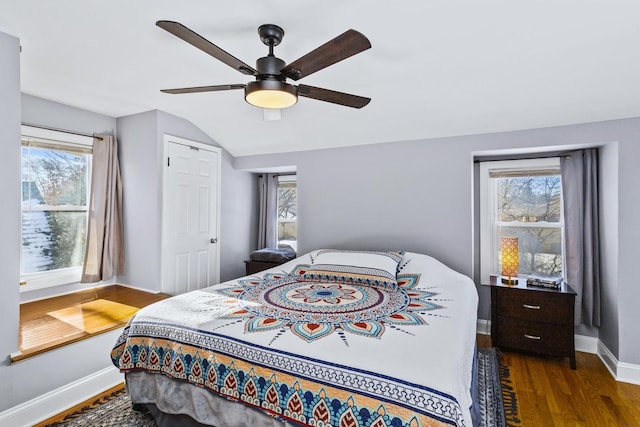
270 88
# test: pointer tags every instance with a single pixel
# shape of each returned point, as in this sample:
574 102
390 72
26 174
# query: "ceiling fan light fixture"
270 90
270 94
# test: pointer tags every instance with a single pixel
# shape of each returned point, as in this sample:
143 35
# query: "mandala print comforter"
320 353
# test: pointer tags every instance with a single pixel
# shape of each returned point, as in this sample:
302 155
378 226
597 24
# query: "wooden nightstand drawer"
535 306
535 337
536 320
253 267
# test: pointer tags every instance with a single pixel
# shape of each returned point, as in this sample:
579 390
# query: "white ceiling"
436 68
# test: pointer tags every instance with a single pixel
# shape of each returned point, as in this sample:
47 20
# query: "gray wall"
42 112
141 199
418 196
9 218
628 247
141 138
239 227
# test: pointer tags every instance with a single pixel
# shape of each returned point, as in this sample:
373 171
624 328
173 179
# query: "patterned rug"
496 396
497 401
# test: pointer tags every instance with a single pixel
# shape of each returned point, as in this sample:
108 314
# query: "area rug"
496 396
497 401
114 410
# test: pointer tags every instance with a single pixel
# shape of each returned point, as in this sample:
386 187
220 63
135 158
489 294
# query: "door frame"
167 139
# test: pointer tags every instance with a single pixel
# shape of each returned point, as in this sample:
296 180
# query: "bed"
331 338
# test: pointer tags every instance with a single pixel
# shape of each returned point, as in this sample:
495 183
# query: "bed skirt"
179 404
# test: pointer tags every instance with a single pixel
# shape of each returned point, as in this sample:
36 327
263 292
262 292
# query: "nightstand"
253 267
533 319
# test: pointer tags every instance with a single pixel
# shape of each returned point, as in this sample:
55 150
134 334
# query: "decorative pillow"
354 267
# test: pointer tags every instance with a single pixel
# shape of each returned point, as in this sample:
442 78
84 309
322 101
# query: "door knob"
214 240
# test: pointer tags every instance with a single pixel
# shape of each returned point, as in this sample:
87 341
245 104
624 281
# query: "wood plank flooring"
54 322
550 393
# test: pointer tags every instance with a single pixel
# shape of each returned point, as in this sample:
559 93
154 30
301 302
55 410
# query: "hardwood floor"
551 394
54 322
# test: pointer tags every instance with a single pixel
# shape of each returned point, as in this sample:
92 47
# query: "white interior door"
190 216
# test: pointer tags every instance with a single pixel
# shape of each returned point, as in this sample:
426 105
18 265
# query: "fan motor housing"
269 65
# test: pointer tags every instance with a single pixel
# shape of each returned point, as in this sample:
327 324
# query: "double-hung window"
56 169
287 210
523 199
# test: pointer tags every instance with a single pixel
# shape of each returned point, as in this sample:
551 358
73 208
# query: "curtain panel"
579 171
104 256
268 221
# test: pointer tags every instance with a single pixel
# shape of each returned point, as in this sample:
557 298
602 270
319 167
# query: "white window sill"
48 279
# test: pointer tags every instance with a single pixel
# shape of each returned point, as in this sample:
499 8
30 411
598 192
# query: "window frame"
56 140
488 189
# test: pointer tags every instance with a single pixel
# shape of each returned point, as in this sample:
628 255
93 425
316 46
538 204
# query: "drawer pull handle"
532 337
531 307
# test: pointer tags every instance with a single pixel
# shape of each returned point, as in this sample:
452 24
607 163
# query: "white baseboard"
138 288
587 344
628 373
623 372
608 359
620 371
56 401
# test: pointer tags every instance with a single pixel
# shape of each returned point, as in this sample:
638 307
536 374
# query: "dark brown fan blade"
203 89
205 45
327 95
342 47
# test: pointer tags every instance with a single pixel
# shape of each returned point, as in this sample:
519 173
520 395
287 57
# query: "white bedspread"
360 354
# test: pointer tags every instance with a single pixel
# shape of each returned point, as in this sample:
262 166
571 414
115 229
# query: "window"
55 187
522 198
287 210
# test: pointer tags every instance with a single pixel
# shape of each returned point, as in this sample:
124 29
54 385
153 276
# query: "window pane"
54 177
523 199
287 214
52 240
539 249
528 199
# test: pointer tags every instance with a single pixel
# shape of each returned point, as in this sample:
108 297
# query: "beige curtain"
104 257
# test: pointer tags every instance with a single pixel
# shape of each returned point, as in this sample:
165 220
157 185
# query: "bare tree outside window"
529 207
287 213
54 208
287 202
